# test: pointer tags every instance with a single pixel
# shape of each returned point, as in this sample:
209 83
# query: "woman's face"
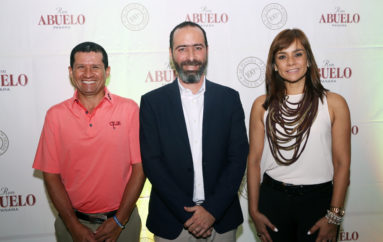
291 62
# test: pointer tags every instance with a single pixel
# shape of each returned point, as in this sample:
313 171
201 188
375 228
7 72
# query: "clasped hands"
109 231
200 224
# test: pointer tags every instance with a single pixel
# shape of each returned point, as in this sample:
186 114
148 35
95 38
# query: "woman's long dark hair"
275 86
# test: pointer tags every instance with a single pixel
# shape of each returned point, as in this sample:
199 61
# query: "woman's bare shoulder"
335 100
259 101
257 110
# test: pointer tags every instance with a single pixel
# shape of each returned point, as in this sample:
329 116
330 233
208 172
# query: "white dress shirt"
192 105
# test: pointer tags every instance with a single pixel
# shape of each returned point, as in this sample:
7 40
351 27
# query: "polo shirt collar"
107 96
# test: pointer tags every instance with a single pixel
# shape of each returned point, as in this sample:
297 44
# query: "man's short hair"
89 47
186 24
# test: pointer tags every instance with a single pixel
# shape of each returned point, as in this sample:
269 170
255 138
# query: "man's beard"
190 76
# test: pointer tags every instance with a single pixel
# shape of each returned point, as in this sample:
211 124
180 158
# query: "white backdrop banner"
37 37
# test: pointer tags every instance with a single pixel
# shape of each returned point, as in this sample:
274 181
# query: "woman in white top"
299 148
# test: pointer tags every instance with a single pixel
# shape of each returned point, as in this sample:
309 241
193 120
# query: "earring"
308 64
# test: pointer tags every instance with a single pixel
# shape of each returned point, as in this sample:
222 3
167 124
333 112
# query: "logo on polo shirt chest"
114 124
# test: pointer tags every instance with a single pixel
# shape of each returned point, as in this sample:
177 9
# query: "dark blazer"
167 159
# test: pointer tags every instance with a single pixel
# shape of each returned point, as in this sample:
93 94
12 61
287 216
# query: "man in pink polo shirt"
89 154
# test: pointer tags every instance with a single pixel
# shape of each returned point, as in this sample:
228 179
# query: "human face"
189 54
291 63
88 74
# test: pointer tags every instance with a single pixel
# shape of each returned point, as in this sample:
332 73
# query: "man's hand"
327 232
200 224
108 231
80 233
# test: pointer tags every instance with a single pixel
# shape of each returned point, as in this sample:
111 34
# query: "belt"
294 189
95 218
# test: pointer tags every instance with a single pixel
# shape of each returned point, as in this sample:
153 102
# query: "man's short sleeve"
46 158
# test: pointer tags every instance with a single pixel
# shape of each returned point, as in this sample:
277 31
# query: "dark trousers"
293 209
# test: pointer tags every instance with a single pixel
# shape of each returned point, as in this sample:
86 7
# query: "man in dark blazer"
194 148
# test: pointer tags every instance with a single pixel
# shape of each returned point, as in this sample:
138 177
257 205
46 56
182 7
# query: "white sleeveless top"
315 165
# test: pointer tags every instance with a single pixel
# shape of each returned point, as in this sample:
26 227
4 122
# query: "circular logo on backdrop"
251 72
274 16
135 16
4 142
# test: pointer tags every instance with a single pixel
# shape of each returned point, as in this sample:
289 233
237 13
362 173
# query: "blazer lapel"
208 111
178 113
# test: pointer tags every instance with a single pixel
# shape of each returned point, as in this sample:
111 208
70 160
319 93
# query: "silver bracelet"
333 218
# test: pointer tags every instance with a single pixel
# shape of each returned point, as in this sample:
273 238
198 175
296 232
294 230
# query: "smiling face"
88 74
291 63
189 54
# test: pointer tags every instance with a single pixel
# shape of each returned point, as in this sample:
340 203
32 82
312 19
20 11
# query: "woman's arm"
256 136
341 156
341 147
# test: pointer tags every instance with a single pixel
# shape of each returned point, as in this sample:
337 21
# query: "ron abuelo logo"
348 235
163 76
330 72
339 18
61 19
207 17
11 80
12 201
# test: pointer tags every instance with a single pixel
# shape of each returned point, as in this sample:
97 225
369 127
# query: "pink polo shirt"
93 153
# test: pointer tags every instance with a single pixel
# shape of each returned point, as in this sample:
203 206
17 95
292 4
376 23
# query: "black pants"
292 209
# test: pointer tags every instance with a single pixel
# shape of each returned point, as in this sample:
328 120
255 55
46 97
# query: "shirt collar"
186 91
107 97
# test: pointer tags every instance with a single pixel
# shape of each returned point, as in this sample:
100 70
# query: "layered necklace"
288 125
